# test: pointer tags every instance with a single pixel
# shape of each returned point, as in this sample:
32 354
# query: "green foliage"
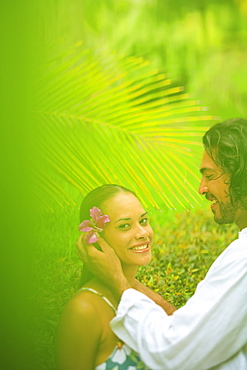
107 118
202 44
184 250
133 118
185 246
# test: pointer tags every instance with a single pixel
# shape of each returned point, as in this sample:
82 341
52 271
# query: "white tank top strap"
101 295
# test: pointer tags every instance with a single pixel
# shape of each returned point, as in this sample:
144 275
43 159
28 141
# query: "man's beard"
226 213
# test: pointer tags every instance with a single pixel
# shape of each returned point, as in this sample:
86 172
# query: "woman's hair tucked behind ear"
96 198
226 144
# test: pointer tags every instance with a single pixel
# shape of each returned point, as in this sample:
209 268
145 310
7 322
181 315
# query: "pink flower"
95 224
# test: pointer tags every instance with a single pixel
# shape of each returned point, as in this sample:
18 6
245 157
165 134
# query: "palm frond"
115 119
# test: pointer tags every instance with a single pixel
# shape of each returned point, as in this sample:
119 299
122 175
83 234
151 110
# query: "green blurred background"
202 45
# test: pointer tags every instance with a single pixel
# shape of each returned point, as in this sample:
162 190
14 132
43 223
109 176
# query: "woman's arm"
167 307
78 336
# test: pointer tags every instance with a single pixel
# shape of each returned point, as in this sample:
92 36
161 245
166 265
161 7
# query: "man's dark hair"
226 144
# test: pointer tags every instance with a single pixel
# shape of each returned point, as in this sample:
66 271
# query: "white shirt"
208 332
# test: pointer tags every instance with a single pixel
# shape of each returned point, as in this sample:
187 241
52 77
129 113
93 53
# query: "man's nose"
203 188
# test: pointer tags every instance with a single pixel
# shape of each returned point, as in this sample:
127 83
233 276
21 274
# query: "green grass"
185 246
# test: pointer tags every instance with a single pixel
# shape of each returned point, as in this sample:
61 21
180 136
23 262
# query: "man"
210 330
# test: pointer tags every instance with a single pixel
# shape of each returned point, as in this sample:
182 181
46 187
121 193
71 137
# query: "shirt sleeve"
208 330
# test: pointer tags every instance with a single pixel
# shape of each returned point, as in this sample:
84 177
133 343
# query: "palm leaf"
115 119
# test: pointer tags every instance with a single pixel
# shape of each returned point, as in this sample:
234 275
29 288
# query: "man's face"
215 186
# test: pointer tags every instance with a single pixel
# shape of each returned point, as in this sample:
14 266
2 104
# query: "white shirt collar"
243 233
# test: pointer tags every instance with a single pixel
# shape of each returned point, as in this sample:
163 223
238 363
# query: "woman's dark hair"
96 198
226 144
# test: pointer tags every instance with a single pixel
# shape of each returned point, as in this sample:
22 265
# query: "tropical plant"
109 118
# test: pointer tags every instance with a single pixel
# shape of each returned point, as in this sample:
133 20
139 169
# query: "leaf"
114 119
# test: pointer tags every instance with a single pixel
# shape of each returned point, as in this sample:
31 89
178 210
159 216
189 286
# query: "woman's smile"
141 248
128 232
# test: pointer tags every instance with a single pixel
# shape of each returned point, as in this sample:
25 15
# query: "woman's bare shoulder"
83 303
80 315
79 324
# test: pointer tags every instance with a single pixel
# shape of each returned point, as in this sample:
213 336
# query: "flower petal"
85 226
91 238
127 349
86 229
102 366
119 357
95 213
102 221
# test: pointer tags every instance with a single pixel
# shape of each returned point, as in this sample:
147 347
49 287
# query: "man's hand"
157 298
104 264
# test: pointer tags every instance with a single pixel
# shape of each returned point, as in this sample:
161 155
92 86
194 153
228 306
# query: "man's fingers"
81 249
79 241
104 245
78 254
87 253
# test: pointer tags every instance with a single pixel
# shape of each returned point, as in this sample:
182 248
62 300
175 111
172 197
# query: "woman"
85 339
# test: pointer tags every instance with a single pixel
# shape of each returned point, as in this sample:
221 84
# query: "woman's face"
128 231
